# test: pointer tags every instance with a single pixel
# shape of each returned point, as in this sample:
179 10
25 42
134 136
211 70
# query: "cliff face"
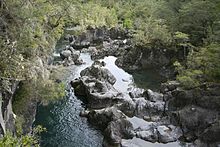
9 94
7 117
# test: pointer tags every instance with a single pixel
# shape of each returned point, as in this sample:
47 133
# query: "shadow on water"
65 128
148 79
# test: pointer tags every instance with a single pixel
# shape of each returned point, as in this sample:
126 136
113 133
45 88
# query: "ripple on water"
65 128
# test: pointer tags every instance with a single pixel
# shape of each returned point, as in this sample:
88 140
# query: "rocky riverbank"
172 115
138 113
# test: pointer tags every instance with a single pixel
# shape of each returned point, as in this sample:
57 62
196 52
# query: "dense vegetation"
29 30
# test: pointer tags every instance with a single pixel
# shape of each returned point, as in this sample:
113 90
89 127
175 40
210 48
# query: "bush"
23 140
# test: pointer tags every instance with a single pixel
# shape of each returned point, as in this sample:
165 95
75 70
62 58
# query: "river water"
65 128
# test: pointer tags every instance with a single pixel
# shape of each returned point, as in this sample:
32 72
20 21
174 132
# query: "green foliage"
152 34
23 140
128 23
51 91
29 30
19 121
94 15
202 66
44 91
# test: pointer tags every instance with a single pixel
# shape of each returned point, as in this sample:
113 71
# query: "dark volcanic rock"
103 117
97 71
95 93
80 45
118 130
65 54
212 133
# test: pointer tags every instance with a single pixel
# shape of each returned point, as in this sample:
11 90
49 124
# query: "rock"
145 107
169 86
127 107
140 124
168 134
79 62
136 92
91 50
69 38
101 118
211 134
130 59
65 54
152 118
118 130
194 120
100 73
96 87
80 44
75 55
153 96
148 135
84 113
199 143
95 93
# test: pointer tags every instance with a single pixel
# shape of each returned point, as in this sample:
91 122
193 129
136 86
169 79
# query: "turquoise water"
65 128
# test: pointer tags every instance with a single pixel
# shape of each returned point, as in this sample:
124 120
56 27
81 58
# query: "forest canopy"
30 28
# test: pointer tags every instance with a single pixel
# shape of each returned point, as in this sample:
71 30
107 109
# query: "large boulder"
118 130
194 120
65 54
145 107
168 133
114 124
95 93
99 72
153 96
101 118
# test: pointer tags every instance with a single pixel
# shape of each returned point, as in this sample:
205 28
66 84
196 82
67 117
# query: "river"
65 128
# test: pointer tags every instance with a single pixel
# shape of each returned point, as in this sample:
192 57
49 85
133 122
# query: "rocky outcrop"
174 113
195 110
96 36
130 60
70 56
96 86
112 111
113 123
7 117
117 48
